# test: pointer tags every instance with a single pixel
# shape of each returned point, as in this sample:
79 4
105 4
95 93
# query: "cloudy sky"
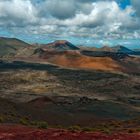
83 22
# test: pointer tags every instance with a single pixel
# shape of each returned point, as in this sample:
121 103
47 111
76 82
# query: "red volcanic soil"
73 59
13 132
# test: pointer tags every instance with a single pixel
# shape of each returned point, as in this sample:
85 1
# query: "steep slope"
105 58
27 51
60 45
10 46
121 49
74 59
65 54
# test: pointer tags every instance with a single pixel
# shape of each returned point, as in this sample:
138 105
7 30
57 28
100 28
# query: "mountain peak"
120 48
60 45
61 41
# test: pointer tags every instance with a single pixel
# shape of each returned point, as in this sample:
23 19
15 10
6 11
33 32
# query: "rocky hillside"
11 46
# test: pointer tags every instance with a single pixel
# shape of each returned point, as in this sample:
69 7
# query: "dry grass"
29 76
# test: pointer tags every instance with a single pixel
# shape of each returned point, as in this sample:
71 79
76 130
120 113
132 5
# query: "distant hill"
104 49
77 60
113 55
137 50
59 45
65 54
114 49
121 49
10 46
117 49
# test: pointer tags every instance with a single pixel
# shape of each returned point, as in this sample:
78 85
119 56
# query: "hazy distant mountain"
115 49
121 49
104 48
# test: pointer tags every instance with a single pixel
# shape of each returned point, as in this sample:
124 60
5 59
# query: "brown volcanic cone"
60 45
73 59
63 53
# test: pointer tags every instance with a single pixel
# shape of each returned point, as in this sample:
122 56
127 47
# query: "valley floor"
104 103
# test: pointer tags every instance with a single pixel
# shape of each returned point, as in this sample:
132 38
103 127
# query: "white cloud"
105 17
17 12
90 18
61 9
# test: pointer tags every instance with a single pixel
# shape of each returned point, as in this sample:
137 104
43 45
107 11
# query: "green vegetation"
42 125
24 121
38 124
104 129
75 128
